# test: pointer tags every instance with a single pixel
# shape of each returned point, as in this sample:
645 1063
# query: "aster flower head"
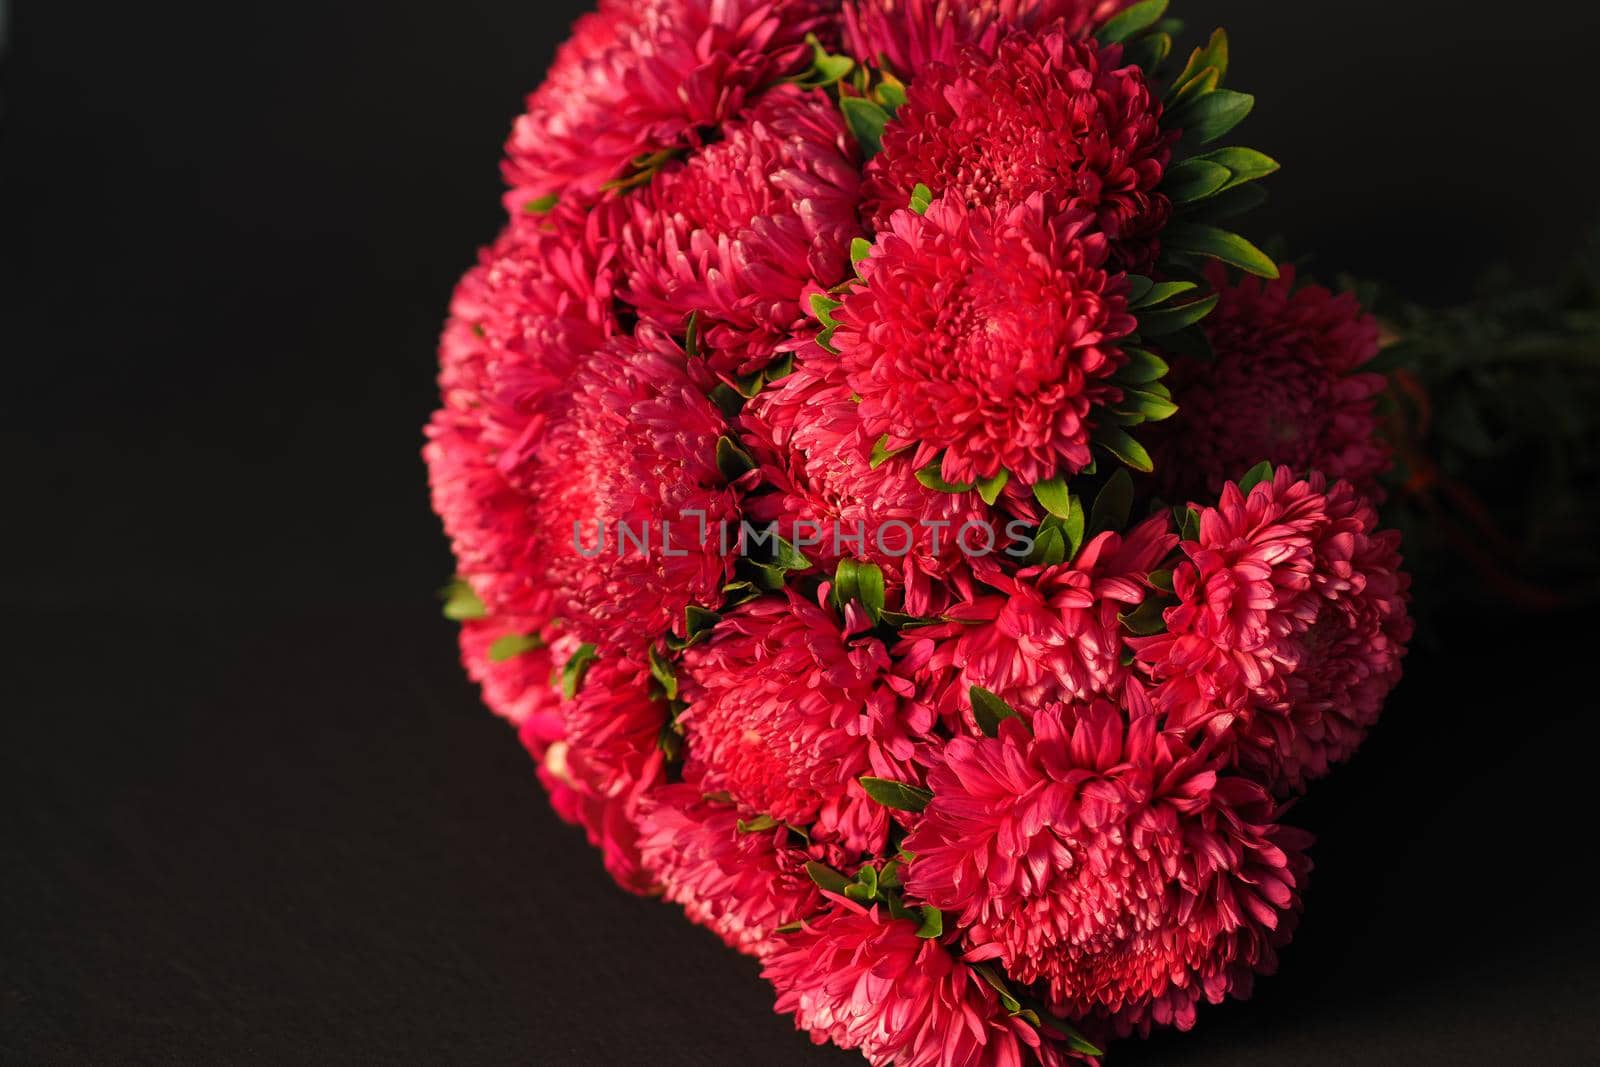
987 335
863 980
641 78
1109 861
787 708
740 230
1285 385
908 35
741 883
633 508
1044 115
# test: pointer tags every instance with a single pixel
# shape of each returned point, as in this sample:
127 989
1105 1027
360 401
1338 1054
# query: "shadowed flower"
1109 861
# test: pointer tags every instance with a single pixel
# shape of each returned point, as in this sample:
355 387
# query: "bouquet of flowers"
908 526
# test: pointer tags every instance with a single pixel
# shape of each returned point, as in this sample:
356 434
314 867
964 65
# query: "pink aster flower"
1291 578
1109 861
862 980
989 336
816 461
643 77
1046 634
740 884
520 323
631 506
515 686
1286 386
908 35
1044 115
739 231
787 708
607 758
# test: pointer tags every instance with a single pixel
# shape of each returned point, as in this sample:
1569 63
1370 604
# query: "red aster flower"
516 687
1285 386
987 336
742 885
1044 115
740 230
607 759
1046 634
1109 861
521 321
806 434
861 980
631 504
787 709
908 35
642 77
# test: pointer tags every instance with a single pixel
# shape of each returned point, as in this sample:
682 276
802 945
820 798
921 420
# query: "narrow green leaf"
732 460
1205 118
989 710
578 665
881 453
1007 999
1199 239
1261 472
1054 497
461 603
662 671
1206 80
1160 293
510 646
930 477
542 205
932 922
1195 179
1148 52
921 198
1187 520
1158 322
757 824
826 878
1151 405
1140 16
1142 367
1138 287
866 121
1243 164
1049 546
1147 619
1214 56
902 796
699 620
691 335
867 878
860 248
1073 528
1125 448
890 92
1113 504
989 489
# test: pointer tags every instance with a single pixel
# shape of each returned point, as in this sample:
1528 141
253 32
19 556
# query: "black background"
251 809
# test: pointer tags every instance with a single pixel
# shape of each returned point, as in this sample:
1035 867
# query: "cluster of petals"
788 705
987 335
862 980
906 36
1046 114
1286 383
745 226
1108 860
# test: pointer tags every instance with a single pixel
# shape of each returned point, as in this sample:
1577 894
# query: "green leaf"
1204 81
1049 546
1243 164
574 670
1148 52
1142 367
932 922
732 460
542 205
691 335
1138 287
1213 56
860 248
1187 520
865 888
921 198
1113 504
1160 294
866 121
1199 239
1119 444
510 646
861 582
1158 322
881 453
662 671
828 880
823 307
989 710
1161 580
1205 118
1054 497
989 489
698 621
790 558
1072 528
1195 179
930 477
1152 405
1140 16
901 796
756 825
1007 999
1261 472
1145 620
461 603
890 92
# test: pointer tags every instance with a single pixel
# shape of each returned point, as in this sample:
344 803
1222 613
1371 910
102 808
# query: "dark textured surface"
252 811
